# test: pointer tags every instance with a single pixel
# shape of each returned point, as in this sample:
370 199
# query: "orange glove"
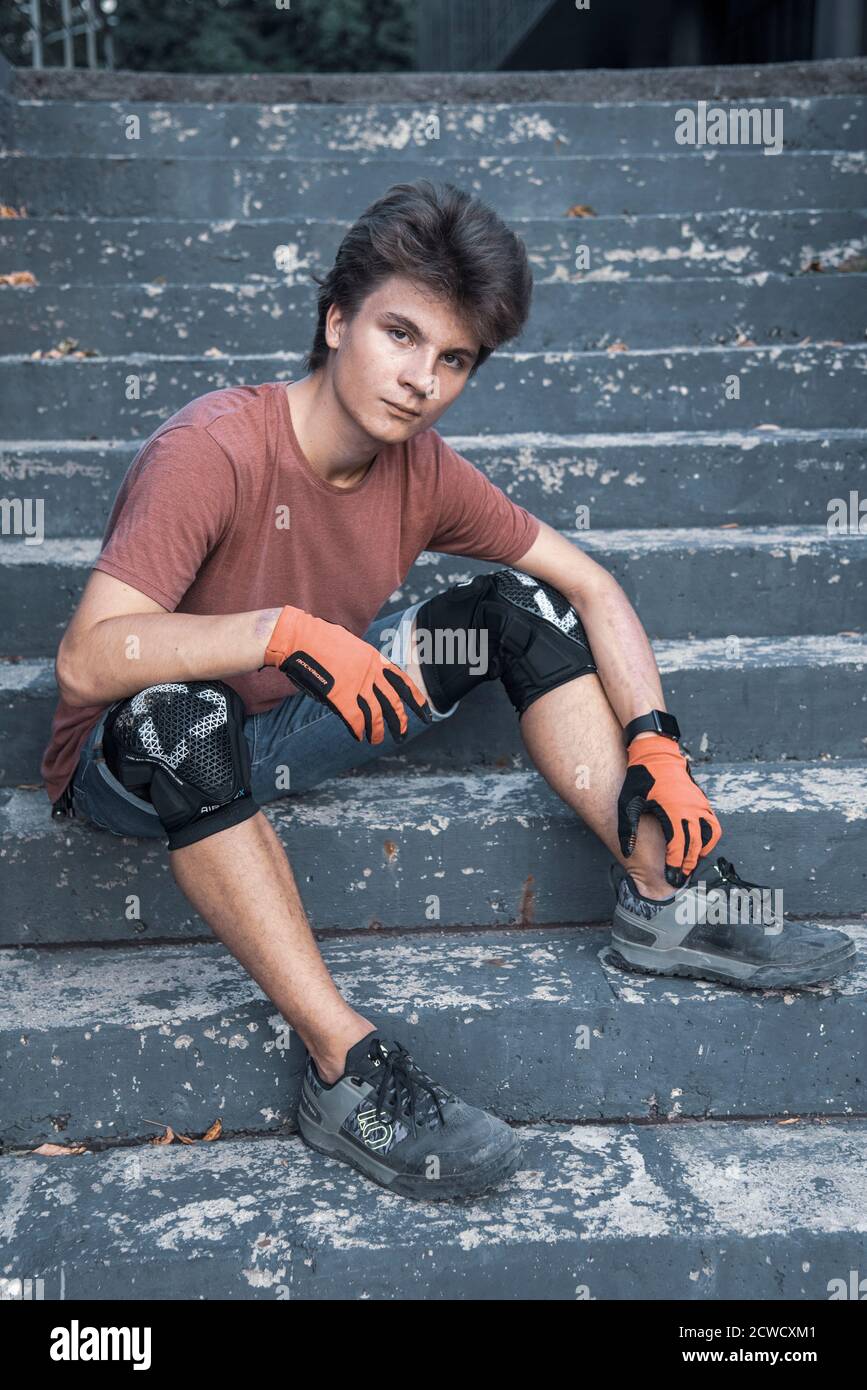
345 673
659 782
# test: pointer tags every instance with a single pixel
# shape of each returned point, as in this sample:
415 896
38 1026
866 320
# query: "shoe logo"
376 1132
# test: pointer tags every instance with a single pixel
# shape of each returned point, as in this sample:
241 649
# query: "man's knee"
505 625
181 746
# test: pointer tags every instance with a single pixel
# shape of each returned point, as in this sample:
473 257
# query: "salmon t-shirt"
221 512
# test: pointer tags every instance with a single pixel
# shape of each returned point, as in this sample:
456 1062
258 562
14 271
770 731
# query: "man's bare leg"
240 881
573 737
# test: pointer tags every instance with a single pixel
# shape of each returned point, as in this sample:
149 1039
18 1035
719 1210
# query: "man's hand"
345 673
659 782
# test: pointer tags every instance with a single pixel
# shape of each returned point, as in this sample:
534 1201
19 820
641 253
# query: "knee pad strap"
526 633
181 746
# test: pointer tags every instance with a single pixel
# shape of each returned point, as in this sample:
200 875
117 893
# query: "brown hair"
444 239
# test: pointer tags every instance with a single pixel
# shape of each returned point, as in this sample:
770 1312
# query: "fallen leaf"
6 211
794 1120
618 347
185 1139
53 1149
727 525
742 341
214 1132
18 277
164 1138
67 348
581 210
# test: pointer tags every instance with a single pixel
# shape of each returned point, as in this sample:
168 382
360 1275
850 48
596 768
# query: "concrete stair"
678 1211
673 1128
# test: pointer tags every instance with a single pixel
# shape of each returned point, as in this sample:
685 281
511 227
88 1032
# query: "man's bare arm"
120 641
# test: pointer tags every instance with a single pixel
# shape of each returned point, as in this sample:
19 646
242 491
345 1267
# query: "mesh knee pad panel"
181 746
535 638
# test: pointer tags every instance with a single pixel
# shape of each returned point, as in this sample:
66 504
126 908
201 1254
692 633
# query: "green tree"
248 36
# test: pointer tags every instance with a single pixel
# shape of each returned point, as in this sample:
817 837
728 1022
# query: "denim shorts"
293 746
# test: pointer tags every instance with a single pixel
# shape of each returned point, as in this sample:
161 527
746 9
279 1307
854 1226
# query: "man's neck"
322 436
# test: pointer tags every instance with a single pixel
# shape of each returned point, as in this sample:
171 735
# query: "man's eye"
458 361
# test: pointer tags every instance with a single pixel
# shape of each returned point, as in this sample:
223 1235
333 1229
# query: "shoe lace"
730 878
402 1081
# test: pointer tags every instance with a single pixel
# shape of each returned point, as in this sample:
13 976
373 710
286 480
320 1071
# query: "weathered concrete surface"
709 1210
785 580
484 849
812 387
705 312
644 480
801 79
702 180
692 1212
731 242
762 698
99 1045
401 128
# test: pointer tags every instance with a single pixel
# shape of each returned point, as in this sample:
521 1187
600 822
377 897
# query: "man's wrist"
265 622
655 721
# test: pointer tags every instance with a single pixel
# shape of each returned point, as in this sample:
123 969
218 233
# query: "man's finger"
408 692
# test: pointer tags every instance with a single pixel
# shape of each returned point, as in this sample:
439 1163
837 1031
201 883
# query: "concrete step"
405 129
700 180
729 83
652 314
676 1211
130 250
482 848
812 387
102 1045
755 478
791 697
787 580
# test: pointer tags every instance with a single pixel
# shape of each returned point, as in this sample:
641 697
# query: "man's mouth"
403 410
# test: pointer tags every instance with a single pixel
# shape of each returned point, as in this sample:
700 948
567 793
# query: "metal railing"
53 22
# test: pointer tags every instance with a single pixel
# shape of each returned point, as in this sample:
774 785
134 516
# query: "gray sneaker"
707 931
390 1120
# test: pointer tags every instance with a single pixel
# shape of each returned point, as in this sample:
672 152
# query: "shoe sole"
695 965
470 1184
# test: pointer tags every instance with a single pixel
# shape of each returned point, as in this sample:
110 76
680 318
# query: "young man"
254 539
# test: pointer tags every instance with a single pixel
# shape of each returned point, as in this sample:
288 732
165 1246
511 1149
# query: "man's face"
404 346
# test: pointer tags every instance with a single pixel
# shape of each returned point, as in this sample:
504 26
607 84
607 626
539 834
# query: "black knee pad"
535 639
181 746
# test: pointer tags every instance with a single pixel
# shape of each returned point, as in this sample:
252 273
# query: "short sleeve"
174 506
475 516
